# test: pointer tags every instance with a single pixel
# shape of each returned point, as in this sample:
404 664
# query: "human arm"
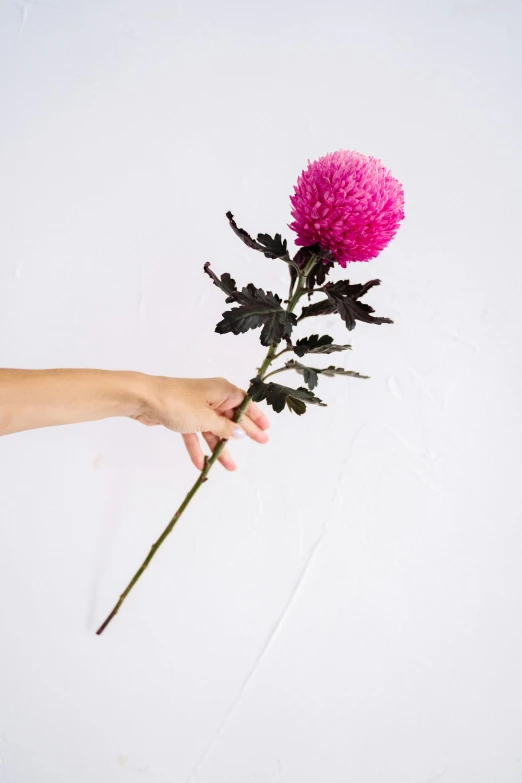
32 399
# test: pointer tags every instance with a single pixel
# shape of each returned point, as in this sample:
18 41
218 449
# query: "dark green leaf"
304 254
242 234
331 371
273 247
319 273
345 288
278 396
295 405
316 344
323 307
293 274
310 374
258 308
351 310
225 283
343 298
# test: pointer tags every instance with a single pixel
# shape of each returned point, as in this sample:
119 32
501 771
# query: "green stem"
269 358
209 461
274 372
277 355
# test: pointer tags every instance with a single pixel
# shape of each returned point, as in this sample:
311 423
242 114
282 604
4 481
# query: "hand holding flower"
200 405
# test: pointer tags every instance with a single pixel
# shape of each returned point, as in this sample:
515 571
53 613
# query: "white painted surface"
347 607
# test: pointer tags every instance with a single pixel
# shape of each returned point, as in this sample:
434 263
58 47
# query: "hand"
201 405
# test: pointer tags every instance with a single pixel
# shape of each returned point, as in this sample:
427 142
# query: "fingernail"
239 433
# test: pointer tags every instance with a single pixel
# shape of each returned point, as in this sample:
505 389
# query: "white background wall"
348 605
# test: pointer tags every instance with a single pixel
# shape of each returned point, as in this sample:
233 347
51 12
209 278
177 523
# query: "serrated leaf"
271 247
316 344
274 247
242 234
351 310
319 273
311 374
323 307
343 298
225 283
331 371
278 396
356 290
256 309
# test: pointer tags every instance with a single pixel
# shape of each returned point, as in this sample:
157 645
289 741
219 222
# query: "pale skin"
195 407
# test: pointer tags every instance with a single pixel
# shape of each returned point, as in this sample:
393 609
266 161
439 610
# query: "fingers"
224 428
255 413
253 430
253 410
234 398
217 424
225 459
195 452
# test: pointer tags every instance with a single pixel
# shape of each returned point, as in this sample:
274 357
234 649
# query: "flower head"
349 204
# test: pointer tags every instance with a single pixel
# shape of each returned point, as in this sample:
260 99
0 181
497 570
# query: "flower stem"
274 372
209 461
277 355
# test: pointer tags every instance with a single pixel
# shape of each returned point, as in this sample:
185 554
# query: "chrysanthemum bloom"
349 204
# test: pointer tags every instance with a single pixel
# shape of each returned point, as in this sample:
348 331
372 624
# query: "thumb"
224 428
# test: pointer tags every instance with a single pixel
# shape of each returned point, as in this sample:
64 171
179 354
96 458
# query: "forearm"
43 398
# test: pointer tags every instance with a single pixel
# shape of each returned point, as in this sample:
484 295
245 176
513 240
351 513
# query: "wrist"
135 392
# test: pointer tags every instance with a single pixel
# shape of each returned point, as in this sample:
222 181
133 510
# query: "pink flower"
349 204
